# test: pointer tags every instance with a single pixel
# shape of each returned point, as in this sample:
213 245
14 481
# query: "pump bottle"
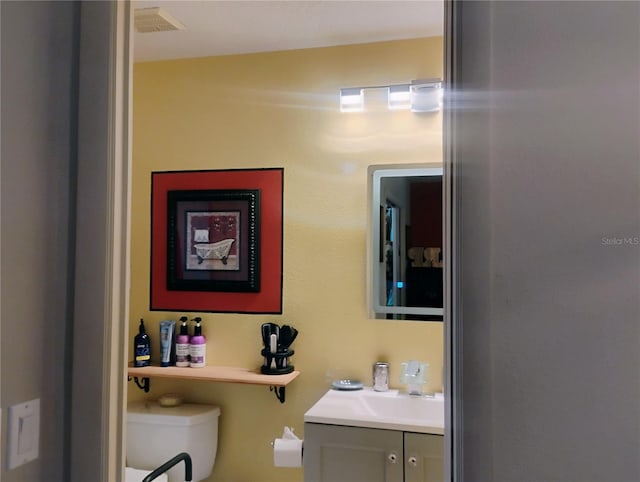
141 347
182 344
197 346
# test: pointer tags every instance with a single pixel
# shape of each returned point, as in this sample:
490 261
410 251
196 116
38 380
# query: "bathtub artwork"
219 250
213 238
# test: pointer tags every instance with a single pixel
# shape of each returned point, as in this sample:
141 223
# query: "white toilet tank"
155 434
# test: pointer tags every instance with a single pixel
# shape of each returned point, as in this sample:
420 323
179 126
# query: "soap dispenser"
182 344
141 347
197 346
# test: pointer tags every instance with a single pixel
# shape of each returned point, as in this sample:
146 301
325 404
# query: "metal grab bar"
170 463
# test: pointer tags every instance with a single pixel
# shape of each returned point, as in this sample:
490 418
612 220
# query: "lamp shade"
426 96
351 99
399 97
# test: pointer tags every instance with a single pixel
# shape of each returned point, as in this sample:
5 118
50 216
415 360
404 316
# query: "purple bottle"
182 344
197 346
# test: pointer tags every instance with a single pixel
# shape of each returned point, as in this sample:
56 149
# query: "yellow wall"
281 110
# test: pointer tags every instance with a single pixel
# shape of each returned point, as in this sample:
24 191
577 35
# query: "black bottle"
141 347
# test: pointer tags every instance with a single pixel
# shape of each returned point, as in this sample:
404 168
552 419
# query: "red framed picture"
216 241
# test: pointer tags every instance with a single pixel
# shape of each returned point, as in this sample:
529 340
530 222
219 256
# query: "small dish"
170 400
347 385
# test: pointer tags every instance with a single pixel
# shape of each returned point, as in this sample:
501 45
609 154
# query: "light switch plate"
24 433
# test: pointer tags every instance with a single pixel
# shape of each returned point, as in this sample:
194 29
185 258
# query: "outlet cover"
24 433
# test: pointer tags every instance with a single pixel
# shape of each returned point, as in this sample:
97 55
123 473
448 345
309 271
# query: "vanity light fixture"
399 97
419 96
352 99
426 95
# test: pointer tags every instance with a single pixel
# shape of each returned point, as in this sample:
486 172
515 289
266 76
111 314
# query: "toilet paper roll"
287 453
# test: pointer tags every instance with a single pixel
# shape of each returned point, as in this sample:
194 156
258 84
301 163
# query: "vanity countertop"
391 410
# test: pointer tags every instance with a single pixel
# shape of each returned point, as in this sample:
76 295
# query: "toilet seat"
136 475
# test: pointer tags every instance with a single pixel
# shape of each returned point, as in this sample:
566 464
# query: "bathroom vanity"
368 436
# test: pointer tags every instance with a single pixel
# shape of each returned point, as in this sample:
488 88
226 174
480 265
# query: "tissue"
287 451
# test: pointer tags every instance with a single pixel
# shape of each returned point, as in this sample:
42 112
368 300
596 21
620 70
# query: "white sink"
388 410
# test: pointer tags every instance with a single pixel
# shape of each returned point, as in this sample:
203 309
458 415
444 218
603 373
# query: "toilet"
156 434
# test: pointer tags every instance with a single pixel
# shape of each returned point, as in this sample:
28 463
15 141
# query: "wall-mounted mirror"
404 261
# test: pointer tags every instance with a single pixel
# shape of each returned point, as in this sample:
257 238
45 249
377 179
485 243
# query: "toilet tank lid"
185 414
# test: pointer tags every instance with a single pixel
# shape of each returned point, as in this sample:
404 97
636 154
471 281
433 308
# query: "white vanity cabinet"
423 457
336 453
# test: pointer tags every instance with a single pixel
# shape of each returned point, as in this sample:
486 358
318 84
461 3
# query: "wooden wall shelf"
276 383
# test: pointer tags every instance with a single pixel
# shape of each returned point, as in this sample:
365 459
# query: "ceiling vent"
147 20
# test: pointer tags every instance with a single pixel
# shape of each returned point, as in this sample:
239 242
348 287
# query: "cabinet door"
333 453
423 457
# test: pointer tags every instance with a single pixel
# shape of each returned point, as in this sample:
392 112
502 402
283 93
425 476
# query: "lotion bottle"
182 344
197 346
141 347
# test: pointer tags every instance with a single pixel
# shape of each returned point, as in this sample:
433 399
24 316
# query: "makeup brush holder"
276 363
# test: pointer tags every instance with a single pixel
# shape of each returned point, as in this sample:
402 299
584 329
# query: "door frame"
107 65
451 292
101 299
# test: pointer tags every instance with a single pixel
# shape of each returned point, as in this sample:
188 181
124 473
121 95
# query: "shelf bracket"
279 391
142 386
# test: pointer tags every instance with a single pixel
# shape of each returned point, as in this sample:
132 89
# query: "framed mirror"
404 259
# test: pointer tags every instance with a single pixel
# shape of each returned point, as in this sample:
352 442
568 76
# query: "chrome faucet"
413 368
414 375
413 371
414 389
